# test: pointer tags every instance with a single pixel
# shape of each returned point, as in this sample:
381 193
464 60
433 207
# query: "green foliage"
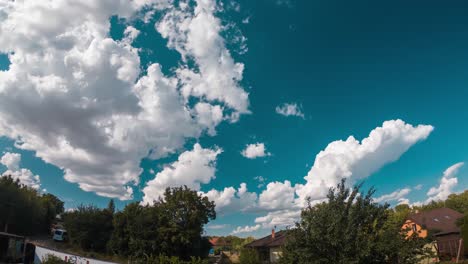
172 226
350 228
161 259
464 231
25 211
249 256
51 259
89 227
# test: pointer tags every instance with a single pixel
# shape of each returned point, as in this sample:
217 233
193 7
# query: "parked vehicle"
60 235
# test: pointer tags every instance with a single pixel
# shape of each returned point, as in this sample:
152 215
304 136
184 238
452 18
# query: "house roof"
268 241
219 241
441 219
11 235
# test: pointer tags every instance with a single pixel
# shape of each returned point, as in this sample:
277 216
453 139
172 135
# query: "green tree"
249 256
23 210
111 206
349 228
172 226
89 227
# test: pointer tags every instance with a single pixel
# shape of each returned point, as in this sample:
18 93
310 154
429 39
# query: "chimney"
273 233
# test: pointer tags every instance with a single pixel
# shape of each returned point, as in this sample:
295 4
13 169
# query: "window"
414 227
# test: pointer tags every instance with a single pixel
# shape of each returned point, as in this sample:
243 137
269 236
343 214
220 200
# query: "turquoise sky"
348 66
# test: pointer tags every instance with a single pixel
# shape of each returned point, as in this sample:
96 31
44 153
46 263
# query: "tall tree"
349 228
172 226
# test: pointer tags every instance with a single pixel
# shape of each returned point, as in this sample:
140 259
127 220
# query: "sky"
255 104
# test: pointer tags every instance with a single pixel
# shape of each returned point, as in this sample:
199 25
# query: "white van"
60 235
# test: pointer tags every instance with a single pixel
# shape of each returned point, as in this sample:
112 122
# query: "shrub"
249 256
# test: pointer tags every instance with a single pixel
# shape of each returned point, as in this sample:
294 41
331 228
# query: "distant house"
269 247
219 244
440 223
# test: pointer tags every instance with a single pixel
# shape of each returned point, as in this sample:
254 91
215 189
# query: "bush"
168 260
249 256
51 259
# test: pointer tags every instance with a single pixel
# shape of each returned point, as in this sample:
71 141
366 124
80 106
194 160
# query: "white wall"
43 252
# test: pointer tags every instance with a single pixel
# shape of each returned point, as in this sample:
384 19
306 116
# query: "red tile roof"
268 241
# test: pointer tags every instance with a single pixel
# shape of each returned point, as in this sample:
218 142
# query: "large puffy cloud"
446 185
75 96
195 33
277 196
356 160
11 161
350 159
193 168
253 151
231 200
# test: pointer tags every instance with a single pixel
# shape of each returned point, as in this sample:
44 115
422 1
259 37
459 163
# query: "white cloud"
217 227
11 160
99 116
289 109
279 218
195 33
277 196
418 187
25 176
446 185
253 151
193 168
261 181
348 159
245 229
397 195
356 160
231 200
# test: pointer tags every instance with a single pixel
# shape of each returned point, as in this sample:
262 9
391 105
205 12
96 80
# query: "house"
441 224
269 247
219 244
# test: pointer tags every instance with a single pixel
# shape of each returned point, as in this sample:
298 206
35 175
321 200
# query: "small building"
441 224
11 248
269 247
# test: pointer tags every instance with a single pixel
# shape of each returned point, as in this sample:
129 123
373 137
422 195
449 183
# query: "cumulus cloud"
99 116
245 229
192 168
354 160
253 151
11 162
289 109
350 159
195 33
446 185
231 200
277 196
397 195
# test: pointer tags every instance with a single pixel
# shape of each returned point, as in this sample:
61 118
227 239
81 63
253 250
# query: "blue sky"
124 103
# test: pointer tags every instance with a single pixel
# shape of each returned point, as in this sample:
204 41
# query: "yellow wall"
408 225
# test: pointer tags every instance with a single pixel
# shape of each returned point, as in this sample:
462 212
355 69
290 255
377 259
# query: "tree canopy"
350 228
24 210
172 226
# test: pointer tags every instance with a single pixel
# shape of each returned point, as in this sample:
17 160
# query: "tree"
349 228
23 210
89 227
111 206
249 256
172 226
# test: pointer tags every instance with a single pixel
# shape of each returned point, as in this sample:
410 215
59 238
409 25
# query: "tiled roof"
268 241
443 220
